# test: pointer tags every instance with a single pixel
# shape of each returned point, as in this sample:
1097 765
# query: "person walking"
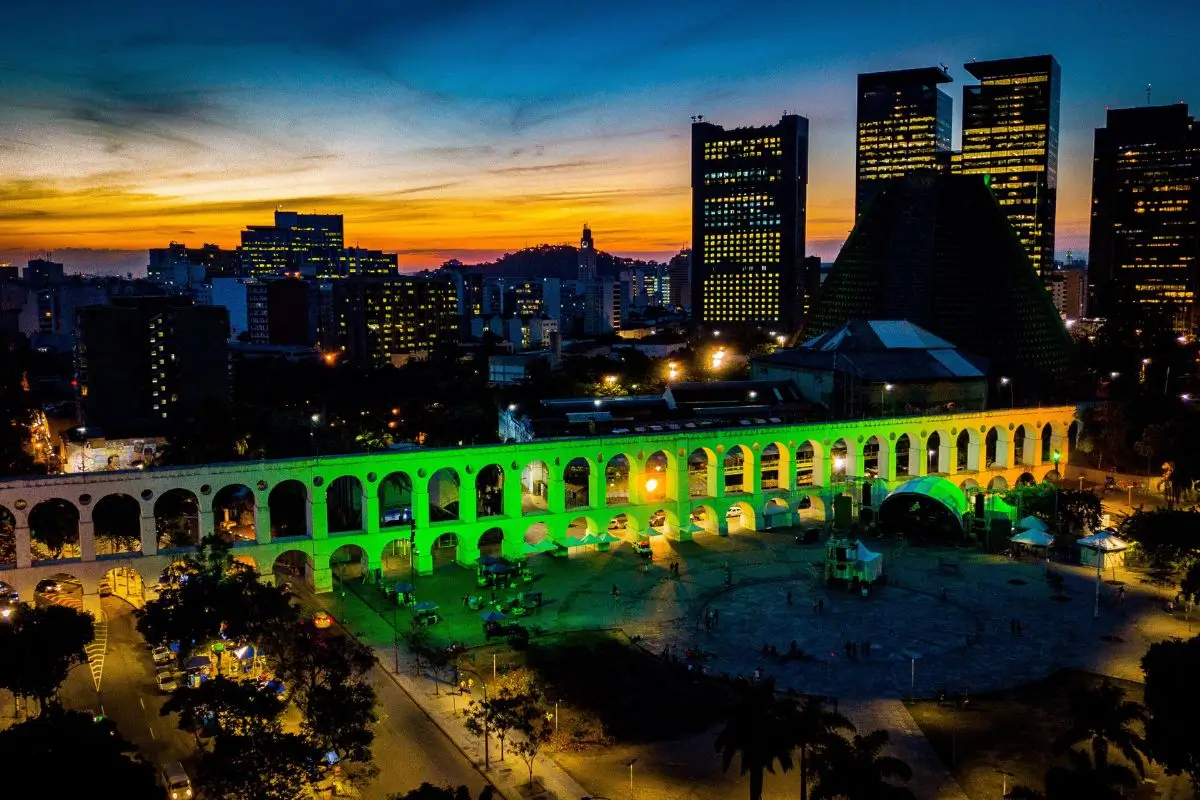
716 618
789 597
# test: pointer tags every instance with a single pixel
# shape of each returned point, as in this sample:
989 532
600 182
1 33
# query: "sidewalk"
931 780
510 777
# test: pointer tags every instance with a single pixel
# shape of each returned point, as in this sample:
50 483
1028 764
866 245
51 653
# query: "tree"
1173 706
38 646
1081 780
267 764
339 717
498 716
1066 509
1103 717
812 728
17 407
535 730
427 791
855 769
223 707
1190 585
1168 537
76 750
756 730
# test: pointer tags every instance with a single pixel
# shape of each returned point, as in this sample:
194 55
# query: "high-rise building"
43 271
309 244
587 255
937 251
382 320
1145 239
1010 136
905 124
749 194
359 261
679 278
1068 288
143 363
179 266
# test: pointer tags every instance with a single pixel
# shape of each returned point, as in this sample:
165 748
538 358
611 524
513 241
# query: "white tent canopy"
1104 540
1033 538
870 565
1030 524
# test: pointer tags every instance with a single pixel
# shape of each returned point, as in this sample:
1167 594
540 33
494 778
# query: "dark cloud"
534 169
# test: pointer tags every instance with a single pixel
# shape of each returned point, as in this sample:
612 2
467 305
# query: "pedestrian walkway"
444 707
931 780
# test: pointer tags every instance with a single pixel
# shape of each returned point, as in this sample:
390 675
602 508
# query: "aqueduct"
449 505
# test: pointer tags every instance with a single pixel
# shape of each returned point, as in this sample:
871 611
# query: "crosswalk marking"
96 650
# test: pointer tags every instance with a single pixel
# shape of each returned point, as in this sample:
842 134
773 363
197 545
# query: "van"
176 781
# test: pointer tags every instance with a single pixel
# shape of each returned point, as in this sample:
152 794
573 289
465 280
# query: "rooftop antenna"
943 66
1149 86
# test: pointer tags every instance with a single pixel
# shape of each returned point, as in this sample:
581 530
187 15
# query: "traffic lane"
409 747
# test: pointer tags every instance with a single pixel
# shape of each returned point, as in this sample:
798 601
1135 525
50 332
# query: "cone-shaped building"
937 251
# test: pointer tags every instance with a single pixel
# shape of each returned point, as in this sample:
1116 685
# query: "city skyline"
156 125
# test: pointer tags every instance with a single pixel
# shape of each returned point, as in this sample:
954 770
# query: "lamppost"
1004 381
487 753
630 764
316 420
1004 776
887 387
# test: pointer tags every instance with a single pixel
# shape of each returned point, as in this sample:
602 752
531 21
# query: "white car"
176 781
166 682
162 655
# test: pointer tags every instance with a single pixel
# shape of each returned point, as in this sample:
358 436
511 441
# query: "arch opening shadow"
924 508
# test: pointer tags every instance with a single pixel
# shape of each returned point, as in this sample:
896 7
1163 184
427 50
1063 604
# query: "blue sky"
467 128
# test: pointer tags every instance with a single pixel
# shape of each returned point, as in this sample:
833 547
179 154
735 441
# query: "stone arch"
776 513
704 519
127 583
810 510
292 565
741 518
841 459
54 530
663 521
395 558
177 519
1047 443
906 465
1052 476
443 495
535 487
934 449
349 562
774 466
444 549
233 512
874 455
998 484
491 543
577 481
1026 479
59 589
344 505
655 477
969 487
489 491
622 526
810 464
702 473
1022 452
287 504
616 480
738 463
966 451
991 448
8 538
1072 435
395 500
117 524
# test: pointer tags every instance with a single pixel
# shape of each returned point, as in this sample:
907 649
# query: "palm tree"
756 728
854 769
812 727
1104 717
1081 781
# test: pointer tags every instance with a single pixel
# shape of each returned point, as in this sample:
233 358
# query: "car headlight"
189 792
174 795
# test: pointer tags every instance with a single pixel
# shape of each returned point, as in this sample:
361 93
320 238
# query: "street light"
887 387
1004 381
630 764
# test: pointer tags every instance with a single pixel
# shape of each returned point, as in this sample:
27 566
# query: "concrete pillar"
887 460
677 486
321 579
947 455
556 492
420 504
24 550
318 515
752 475
512 494
468 502
87 539
205 522
149 529
467 552
820 470
425 561
262 521
787 470
974 445
513 545
715 476
370 511
919 457
1005 452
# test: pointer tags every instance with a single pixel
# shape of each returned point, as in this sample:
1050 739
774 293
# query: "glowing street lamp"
651 484
1005 381
610 379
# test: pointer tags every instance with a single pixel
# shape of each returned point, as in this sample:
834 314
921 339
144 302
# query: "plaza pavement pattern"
911 639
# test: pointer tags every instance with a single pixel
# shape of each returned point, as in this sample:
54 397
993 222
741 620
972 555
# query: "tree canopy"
1173 706
1168 537
38 646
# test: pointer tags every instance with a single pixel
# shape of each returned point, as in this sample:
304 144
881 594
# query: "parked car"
176 781
166 683
8 595
642 548
734 512
162 655
397 516
104 588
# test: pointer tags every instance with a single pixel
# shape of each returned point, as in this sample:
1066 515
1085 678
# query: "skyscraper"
307 243
904 125
749 193
1010 135
1145 238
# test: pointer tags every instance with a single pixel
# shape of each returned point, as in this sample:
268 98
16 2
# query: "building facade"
309 244
749 196
905 125
1145 238
382 320
1010 136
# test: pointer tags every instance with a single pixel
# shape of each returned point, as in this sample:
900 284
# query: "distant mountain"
552 261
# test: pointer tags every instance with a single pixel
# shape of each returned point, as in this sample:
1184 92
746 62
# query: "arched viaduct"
678 480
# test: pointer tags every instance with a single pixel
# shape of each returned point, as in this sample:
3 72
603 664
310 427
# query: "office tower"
1145 212
1068 288
359 261
749 190
143 363
905 123
48 313
679 270
937 251
179 266
231 294
309 244
1010 136
382 320
587 255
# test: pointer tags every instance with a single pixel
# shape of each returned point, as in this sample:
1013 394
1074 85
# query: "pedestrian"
821 606
789 597
1120 594
716 618
707 620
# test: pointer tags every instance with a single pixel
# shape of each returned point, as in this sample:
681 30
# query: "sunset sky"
464 128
